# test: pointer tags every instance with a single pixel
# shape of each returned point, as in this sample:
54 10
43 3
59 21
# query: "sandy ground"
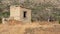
32 28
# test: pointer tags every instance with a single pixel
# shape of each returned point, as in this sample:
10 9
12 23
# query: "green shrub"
59 21
0 20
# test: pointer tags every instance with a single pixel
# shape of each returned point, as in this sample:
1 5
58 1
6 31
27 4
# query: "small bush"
59 20
0 20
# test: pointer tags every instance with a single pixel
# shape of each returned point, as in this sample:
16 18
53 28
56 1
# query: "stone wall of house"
17 13
28 15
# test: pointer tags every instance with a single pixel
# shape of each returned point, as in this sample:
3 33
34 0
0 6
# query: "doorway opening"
24 14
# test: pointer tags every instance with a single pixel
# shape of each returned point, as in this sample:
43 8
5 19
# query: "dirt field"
30 28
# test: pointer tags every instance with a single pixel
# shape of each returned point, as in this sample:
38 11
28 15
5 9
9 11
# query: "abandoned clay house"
20 13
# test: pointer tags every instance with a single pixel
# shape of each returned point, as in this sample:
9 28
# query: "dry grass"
32 28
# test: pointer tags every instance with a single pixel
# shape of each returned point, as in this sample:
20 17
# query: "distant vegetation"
40 11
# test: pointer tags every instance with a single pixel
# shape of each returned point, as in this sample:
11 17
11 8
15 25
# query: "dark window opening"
24 14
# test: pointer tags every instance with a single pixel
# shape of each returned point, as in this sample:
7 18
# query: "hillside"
41 9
